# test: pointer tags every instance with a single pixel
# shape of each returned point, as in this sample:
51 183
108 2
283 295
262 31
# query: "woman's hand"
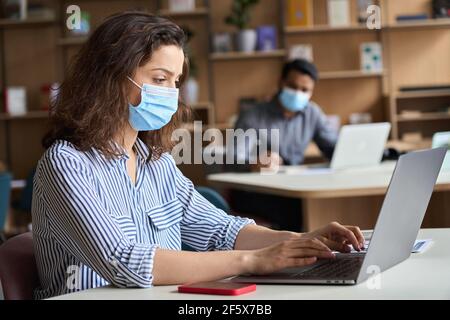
338 237
296 252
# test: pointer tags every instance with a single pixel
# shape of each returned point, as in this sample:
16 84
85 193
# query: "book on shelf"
371 57
14 9
266 38
299 13
181 5
411 114
16 101
339 13
412 17
301 51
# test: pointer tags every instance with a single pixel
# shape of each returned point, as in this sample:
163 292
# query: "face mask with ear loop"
157 106
294 100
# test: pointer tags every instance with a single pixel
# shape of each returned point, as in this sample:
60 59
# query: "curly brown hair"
92 103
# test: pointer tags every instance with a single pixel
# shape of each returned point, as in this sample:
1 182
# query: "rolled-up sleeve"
205 227
82 225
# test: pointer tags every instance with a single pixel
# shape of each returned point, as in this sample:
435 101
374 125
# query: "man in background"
300 122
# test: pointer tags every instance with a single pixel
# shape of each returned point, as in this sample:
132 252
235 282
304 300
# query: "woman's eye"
159 81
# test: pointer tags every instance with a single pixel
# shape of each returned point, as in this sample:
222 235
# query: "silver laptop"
359 145
394 235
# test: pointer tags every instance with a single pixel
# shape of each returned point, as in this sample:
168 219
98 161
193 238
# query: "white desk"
422 276
349 196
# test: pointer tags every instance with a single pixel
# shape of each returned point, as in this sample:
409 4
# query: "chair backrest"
5 191
18 272
214 197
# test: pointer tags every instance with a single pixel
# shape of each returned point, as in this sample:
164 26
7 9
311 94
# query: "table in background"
352 196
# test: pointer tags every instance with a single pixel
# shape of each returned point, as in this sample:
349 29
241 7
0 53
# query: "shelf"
26 22
219 126
184 14
202 105
431 23
348 74
327 28
72 41
246 56
424 117
28 115
423 94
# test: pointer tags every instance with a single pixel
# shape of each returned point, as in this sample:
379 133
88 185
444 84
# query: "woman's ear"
134 93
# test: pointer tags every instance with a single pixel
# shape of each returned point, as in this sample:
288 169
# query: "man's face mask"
157 106
294 100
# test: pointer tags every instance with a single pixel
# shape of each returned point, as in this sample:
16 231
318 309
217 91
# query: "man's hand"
271 161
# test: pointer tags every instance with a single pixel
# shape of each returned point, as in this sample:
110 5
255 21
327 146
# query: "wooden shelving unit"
327 28
415 53
72 41
245 56
199 12
420 24
5 23
29 115
430 116
349 74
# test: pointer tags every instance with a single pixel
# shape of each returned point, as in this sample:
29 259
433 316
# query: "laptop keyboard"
339 268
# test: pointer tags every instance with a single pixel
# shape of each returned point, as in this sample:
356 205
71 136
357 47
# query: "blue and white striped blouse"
93 227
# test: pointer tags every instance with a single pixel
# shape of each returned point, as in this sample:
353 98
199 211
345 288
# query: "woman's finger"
312 243
301 262
349 235
309 252
358 233
337 246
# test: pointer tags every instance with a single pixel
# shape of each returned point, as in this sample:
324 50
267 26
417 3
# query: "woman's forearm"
254 237
175 267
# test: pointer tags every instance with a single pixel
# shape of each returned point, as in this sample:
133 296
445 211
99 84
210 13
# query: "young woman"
109 204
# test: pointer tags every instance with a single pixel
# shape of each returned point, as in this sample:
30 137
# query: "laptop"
397 226
360 145
442 140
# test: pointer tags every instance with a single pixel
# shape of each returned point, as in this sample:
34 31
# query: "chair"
18 272
5 192
214 197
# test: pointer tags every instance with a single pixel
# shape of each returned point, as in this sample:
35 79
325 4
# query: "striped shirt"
93 227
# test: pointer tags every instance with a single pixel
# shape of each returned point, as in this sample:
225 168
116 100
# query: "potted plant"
240 18
190 90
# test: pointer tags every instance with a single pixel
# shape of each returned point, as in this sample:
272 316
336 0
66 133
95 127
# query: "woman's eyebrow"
165 70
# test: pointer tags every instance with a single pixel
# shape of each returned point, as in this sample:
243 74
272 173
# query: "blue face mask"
294 100
158 105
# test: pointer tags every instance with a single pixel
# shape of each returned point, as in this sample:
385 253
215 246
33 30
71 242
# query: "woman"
111 207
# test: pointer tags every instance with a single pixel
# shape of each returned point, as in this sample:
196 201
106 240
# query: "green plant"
240 13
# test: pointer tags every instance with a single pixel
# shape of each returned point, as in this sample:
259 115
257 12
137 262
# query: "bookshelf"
199 12
415 54
243 56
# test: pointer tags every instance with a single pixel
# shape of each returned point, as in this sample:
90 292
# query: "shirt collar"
141 148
